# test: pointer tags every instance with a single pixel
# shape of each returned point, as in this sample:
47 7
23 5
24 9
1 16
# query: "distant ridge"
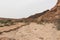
48 15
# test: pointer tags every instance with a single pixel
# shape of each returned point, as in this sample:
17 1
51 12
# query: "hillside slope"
41 26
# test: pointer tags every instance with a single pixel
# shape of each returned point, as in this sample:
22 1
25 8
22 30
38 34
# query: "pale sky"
24 8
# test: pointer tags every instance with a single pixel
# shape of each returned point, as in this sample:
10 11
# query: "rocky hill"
41 26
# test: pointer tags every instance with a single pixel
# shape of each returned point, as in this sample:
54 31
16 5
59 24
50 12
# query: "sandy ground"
34 31
6 28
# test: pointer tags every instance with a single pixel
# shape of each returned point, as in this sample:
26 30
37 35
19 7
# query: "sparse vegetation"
19 20
6 23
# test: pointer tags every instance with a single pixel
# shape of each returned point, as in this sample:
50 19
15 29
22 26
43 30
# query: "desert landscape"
41 26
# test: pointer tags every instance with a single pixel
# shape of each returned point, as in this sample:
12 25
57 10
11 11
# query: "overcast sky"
24 8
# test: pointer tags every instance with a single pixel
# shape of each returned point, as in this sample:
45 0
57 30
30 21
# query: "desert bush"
3 21
6 22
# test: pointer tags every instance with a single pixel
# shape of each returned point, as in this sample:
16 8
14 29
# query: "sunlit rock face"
24 8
